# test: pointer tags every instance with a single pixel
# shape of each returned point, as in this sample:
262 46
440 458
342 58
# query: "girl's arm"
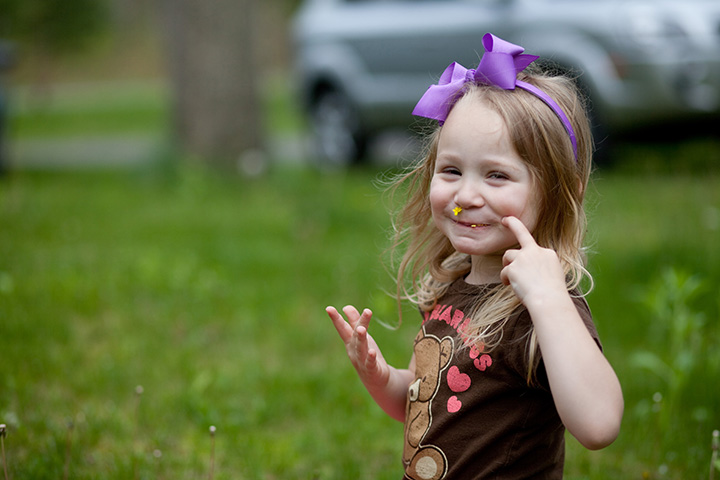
387 385
584 386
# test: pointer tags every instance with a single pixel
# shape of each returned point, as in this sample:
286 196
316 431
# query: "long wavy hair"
428 263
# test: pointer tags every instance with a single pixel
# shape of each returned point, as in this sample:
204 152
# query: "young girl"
507 357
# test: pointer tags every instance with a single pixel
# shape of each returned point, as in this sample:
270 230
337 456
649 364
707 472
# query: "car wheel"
337 135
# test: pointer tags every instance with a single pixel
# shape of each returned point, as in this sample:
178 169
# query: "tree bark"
214 77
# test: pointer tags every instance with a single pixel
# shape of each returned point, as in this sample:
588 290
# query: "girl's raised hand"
531 270
360 346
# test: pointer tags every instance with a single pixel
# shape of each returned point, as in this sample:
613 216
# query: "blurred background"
328 82
180 74
186 184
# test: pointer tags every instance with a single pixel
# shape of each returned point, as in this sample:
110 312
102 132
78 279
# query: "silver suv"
363 64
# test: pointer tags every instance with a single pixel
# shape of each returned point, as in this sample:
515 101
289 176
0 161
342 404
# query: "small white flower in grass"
212 452
3 434
714 462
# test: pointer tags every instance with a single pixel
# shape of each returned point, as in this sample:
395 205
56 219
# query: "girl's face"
478 170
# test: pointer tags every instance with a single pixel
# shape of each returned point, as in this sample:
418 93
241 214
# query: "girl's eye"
498 176
451 171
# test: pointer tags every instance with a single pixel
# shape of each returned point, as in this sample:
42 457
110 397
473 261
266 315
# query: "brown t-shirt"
471 414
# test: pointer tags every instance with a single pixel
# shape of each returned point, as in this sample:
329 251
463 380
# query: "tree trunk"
214 77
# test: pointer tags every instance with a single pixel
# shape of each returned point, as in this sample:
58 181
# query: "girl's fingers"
371 360
343 328
354 333
355 318
352 315
364 320
361 343
509 256
356 324
522 234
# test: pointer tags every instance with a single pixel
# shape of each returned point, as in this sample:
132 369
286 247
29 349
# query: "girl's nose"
469 195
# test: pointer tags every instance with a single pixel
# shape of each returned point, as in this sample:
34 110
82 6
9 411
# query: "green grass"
209 291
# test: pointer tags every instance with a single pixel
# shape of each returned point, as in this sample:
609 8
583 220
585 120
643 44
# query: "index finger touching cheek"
518 228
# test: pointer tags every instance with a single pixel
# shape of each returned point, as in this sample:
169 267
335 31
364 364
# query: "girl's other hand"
532 271
362 350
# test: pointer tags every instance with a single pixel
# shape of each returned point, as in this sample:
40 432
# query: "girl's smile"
473 225
469 224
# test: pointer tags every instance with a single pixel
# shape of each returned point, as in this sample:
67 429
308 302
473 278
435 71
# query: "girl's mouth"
473 225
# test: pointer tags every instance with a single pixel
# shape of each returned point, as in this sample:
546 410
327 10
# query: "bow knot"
499 66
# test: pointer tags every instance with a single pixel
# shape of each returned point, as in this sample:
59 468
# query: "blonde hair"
430 264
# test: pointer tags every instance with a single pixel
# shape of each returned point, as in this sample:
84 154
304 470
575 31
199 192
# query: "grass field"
208 291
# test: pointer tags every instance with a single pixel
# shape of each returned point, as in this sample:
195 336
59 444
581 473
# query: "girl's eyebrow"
447 155
446 159
488 163
504 165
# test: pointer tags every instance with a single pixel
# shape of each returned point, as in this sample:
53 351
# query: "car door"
404 45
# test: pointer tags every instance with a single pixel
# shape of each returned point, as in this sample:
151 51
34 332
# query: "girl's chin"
475 250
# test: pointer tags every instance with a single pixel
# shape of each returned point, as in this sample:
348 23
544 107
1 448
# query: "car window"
486 2
417 1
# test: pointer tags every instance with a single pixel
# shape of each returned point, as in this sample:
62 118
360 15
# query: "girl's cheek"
526 212
437 201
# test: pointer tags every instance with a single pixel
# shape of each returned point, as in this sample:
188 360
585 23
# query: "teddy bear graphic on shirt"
432 357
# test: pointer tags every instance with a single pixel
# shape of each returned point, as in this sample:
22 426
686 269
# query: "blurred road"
110 151
113 151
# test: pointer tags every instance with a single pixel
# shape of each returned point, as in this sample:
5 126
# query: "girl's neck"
485 269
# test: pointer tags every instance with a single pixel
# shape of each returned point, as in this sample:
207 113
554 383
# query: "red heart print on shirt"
454 404
458 382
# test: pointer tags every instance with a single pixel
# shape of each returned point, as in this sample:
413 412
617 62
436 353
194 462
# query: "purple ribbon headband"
499 66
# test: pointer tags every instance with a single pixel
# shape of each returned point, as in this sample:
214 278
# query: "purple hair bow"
499 66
